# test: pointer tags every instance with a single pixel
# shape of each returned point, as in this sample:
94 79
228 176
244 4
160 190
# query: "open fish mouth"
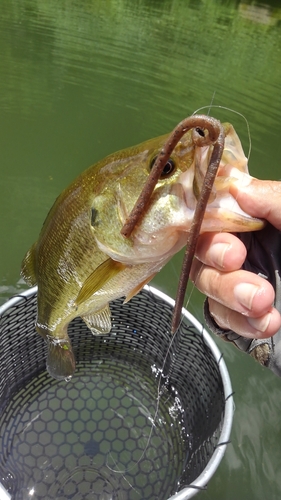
222 212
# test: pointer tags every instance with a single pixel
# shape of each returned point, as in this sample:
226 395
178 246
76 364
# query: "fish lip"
220 218
223 213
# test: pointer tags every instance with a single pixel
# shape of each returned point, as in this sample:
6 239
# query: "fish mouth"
232 220
223 212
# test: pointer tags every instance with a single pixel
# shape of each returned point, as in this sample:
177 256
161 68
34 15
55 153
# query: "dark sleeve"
263 258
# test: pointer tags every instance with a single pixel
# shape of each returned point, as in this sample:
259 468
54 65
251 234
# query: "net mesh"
139 419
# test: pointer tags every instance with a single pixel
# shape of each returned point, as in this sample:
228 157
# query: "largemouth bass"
81 261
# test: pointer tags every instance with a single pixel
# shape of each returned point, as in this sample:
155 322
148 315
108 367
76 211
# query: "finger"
224 251
257 198
262 327
242 291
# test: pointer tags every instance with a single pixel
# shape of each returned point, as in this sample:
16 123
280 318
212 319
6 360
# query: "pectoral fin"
99 323
138 288
103 273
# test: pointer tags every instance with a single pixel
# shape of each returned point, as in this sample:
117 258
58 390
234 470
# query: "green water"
81 79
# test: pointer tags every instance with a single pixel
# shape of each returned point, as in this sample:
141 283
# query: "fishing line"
211 103
153 423
160 393
209 106
121 472
126 231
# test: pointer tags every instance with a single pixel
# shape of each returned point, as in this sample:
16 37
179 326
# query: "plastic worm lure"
206 131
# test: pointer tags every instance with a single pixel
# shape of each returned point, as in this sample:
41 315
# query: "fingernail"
245 293
217 253
260 324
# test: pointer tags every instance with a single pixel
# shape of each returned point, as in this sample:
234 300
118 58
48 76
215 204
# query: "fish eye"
168 168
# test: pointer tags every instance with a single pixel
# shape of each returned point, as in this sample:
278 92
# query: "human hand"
240 300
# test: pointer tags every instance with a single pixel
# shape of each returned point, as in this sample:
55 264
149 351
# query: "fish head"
166 221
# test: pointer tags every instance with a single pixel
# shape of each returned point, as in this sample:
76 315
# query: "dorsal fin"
28 267
103 273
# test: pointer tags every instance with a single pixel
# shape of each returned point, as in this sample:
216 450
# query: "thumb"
258 198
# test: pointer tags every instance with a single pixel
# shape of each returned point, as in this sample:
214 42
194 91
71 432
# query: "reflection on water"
165 55
80 80
262 14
